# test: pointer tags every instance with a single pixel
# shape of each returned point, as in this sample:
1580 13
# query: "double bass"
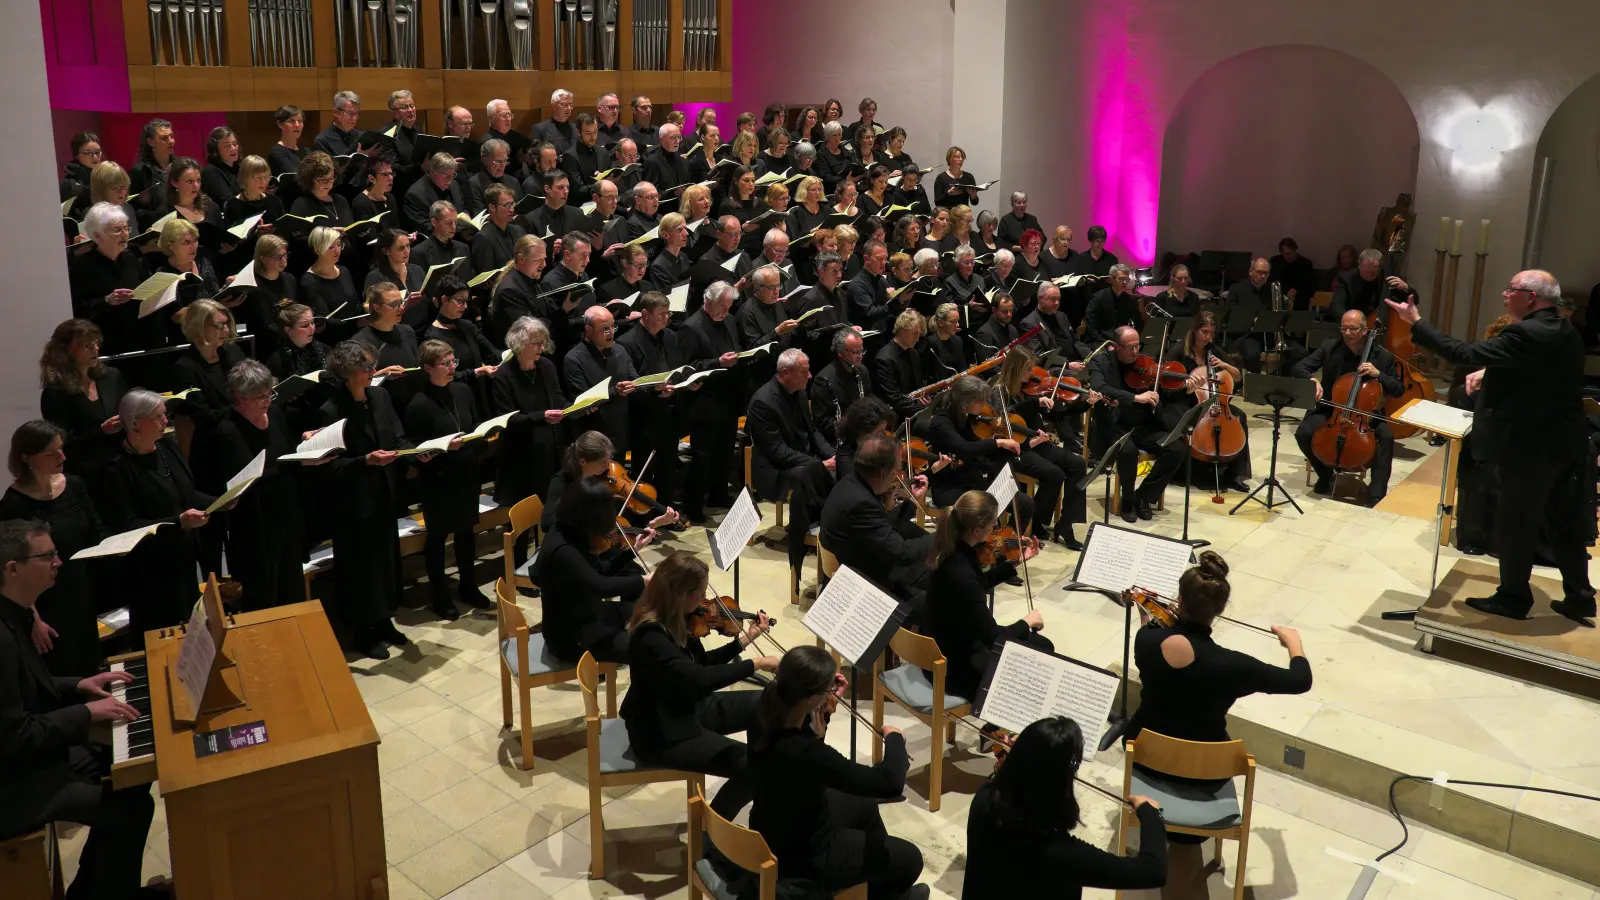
1346 441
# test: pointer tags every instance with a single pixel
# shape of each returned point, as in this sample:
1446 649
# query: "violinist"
885 545
1056 469
959 618
1198 353
1018 830
1339 357
950 431
1177 300
817 810
590 455
897 369
677 715
1140 411
1190 682
576 575
1113 307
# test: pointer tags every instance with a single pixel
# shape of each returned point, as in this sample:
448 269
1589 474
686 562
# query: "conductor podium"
272 792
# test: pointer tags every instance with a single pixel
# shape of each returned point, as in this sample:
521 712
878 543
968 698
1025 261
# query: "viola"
987 424
922 454
615 539
641 497
1346 441
1147 372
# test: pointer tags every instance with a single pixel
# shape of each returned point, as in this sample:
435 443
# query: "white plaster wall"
977 114
36 296
1572 224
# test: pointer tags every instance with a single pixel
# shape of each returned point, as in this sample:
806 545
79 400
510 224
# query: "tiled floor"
462 821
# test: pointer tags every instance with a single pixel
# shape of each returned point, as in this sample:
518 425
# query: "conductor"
1531 425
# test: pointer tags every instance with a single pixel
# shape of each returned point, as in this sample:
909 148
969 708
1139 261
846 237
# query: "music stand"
1157 324
1320 333
1183 431
1103 468
1279 393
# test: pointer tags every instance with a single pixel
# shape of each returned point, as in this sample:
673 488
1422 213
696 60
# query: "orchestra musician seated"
817 810
677 714
1340 356
50 774
1190 682
898 366
1018 829
883 543
578 569
1198 353
790 455
840 383
950 431
1141 412
589 456
1056 469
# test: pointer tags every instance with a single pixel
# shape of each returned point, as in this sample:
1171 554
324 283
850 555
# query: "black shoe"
1014 581
1495 605
1239 485
444 609
1576 611
470 595
1145 512
917 892
1372 502
1470 549
1324 486
693 515
1065 538
389 634
1127 511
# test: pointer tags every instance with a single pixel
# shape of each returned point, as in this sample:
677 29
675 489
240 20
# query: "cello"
1346 441
1219 436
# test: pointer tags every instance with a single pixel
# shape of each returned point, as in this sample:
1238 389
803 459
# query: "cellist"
1198 353
1339 357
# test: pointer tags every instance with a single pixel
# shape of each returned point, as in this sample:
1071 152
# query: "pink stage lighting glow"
1124 189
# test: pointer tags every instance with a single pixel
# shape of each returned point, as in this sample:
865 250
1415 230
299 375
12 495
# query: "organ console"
133 744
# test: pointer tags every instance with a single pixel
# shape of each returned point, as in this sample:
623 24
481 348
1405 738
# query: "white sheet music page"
1436 417
735 532
1116 559
195 656
1003 488
1029 685
849 613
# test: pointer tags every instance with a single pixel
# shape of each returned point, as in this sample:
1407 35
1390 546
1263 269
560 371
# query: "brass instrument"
1275 345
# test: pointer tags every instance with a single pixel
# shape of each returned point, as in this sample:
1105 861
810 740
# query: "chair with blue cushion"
1214 812
908 685
744 848
525 657
525 514
611 760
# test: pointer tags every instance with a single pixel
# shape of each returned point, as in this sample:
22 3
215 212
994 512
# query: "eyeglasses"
220 326
278 257
267 397
87 152
1352 329
47 555
1516 290
448 363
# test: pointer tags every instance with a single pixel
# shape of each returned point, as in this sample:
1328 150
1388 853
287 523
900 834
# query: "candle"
1455 239
1483 236
1444 233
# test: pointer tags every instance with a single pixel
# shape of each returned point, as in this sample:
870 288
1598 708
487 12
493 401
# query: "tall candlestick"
1483 236
1444 233
1455 239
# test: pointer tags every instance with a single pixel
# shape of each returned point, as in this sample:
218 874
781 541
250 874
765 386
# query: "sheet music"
735 532
195 656
118 544
1004 487
319 444
241 482
850 613
1436 417
1027 685
597 394
1116 559
678 298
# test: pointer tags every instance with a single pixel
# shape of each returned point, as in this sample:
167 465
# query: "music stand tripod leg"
1407 615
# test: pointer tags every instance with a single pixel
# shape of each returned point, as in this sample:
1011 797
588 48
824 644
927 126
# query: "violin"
1003 544
987 424
1147 372
719 615
923 455
1152 604
615 539
1040 383
977 369
641 498
1000 743
1346 440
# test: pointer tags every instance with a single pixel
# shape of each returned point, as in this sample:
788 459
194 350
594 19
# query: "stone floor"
462 821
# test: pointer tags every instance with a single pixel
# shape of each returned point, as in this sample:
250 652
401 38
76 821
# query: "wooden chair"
30 866
926 700
524 515
525 658
1189 809
744 848
612 763
1116 486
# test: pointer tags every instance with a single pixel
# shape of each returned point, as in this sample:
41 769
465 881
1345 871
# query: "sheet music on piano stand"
1023 685
1115 559
202 669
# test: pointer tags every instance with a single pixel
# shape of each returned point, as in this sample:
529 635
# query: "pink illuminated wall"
85 58
1124 188
1291 140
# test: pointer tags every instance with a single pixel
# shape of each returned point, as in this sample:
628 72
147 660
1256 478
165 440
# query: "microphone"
1155 307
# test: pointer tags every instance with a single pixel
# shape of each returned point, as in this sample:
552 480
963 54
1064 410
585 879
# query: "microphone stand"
1184 431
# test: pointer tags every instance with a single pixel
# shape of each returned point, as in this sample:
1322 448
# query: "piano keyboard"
133 745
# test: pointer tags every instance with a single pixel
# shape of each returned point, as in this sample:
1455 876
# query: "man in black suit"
1341 357
897 367
663 167
886 546
1366 286
555 216
840 383
47 773
791 456
870 306
593 360
653 423
710 340
1113 307
999 331
558 128
1530 422
438 182
1139 412
826 293
1244 303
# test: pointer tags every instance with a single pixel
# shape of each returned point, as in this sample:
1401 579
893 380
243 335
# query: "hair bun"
1212 565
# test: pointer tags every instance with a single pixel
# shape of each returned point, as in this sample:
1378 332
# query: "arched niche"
1572 139
1293 140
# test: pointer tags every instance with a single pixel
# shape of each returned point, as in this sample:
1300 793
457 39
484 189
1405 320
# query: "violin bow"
638 480
1016 518
961 720
1173 607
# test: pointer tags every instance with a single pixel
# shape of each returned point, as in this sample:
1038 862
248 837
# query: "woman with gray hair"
149 483
358 492
102 280
985 241
527 384
265 541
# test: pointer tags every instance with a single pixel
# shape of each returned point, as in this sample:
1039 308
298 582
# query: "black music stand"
1183 431
1279 393
1154 327
1103 468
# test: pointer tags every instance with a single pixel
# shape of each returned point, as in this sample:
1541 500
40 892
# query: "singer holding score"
1531 423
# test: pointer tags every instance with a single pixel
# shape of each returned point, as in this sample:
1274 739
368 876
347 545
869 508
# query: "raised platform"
1545 637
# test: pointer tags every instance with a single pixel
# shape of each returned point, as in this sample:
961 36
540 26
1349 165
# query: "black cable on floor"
1406 832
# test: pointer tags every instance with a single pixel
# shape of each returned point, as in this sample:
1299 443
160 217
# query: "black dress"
161 575
89 450
449 482
575 584
69 605
415 317
395 347
528 446
92 277
265 542
961 624
206 407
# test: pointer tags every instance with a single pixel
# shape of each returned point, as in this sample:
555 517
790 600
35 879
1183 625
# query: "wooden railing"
255 55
